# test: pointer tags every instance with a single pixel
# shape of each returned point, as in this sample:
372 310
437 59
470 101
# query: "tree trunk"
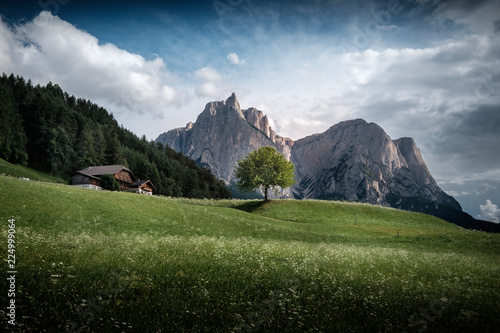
265 193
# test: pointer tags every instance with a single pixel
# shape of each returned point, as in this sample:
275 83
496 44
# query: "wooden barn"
90 177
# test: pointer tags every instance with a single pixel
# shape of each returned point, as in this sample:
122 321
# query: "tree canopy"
264 168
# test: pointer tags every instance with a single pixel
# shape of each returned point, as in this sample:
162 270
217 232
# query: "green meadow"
7 168
99 261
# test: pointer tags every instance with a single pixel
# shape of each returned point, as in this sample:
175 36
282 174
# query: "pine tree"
12 136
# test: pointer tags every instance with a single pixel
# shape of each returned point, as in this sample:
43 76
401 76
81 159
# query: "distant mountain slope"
353 160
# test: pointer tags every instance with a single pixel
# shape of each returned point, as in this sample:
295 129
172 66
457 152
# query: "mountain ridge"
353 160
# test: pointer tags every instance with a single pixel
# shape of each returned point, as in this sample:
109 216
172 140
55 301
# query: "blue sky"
428 69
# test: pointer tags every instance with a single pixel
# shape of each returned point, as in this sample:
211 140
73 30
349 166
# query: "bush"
108 182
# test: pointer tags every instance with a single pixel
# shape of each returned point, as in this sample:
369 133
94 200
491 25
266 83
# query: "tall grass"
92 261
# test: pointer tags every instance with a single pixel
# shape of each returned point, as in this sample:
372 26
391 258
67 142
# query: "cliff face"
349 161
224 133
353 160
356 160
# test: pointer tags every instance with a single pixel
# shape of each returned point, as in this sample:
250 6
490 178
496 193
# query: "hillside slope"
117 262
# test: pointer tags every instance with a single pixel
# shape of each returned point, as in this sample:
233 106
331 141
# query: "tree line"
47 129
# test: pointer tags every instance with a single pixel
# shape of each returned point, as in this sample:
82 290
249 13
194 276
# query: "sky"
427 69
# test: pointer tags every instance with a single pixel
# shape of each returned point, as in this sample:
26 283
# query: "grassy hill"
16 170
98 261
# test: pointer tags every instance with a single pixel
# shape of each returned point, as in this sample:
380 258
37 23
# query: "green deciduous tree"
265 168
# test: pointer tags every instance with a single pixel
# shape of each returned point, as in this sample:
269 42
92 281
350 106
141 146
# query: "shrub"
108 182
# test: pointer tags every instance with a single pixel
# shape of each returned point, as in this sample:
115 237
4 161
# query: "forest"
45 128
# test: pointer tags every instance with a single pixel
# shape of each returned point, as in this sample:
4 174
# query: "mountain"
353 160
224 133
356 160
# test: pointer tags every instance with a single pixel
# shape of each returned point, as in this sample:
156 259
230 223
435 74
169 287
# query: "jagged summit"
224 133
230 108
232 99
352 160
233 104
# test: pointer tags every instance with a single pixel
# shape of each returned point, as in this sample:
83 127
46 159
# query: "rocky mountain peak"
233 101
224 133
221 111
233 106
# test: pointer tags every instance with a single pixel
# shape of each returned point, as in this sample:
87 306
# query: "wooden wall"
125 180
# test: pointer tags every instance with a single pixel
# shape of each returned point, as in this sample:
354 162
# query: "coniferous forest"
47 129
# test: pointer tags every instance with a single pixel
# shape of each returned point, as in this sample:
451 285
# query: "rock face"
353 160
356 160
224 133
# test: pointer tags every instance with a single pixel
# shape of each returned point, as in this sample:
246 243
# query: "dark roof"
85 174
139 182
104 170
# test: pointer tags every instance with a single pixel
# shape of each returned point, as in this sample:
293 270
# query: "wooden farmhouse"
143 187
90 178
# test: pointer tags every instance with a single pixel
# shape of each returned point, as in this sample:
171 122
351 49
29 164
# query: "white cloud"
453 68
207 73
489 212
234 59
456 194
213 85
396 88
51 49
207 89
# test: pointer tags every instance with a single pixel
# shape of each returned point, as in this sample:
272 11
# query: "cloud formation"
212 85
489 212
234 59
451 91
51 49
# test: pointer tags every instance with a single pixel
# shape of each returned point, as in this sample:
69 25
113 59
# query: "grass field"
99 261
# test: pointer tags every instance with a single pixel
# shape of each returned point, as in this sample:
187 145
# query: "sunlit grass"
102 261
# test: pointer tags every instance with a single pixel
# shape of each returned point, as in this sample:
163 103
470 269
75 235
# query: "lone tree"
266 168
